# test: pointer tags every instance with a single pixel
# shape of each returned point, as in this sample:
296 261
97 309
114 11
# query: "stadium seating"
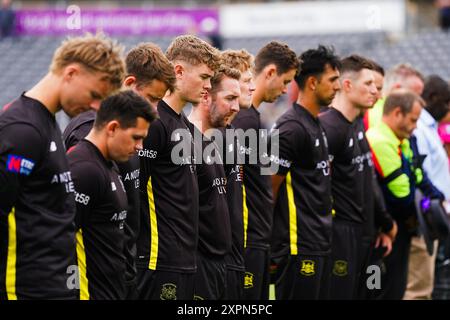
23 61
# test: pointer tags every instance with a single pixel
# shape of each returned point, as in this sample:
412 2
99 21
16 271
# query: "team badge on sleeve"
19 165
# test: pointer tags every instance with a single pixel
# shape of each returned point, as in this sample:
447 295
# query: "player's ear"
130 81
311 83
70 71
270 70
346 85
397 112
111 127
179 70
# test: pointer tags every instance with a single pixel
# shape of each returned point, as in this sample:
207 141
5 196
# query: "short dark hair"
125 107
147 62
377 67
436 93
314 62
402 98
279 54
355 63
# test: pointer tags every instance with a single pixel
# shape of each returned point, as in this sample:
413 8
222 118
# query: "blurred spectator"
444 13
7 19
402 75
442 271
436 94
444 133
394 153
215 39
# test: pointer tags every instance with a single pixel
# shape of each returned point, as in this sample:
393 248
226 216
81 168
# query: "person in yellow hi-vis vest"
398 166
400 76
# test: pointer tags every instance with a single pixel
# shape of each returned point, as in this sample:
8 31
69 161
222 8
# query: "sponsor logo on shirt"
360 135
359 162
113 186
324 166
82 198
53 147
237 170
133 176
368 157
220 185
280 161
120 217
317 143
19 165
147 153
350 143
66 178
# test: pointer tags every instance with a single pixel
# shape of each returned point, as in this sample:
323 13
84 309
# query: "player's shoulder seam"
290 120
90 167
26 123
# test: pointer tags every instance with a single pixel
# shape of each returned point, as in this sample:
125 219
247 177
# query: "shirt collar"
404 144
427 119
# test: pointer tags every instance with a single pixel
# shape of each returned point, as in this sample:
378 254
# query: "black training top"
234 173
37 207
214 228
76 130
169 195
302 215
374 207
101 213
257 190
347 166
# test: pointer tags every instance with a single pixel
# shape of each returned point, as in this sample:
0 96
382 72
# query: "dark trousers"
131 290
394 275
257 278
235 284
164 285
366 254
345 260
302 277
211 278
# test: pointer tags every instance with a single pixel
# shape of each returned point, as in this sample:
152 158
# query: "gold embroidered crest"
308 268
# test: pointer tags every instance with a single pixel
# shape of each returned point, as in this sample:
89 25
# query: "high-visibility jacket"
374 116
398 166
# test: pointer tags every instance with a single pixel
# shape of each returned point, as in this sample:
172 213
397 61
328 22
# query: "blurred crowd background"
390 32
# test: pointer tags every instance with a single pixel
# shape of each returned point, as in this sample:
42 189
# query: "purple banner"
117 21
